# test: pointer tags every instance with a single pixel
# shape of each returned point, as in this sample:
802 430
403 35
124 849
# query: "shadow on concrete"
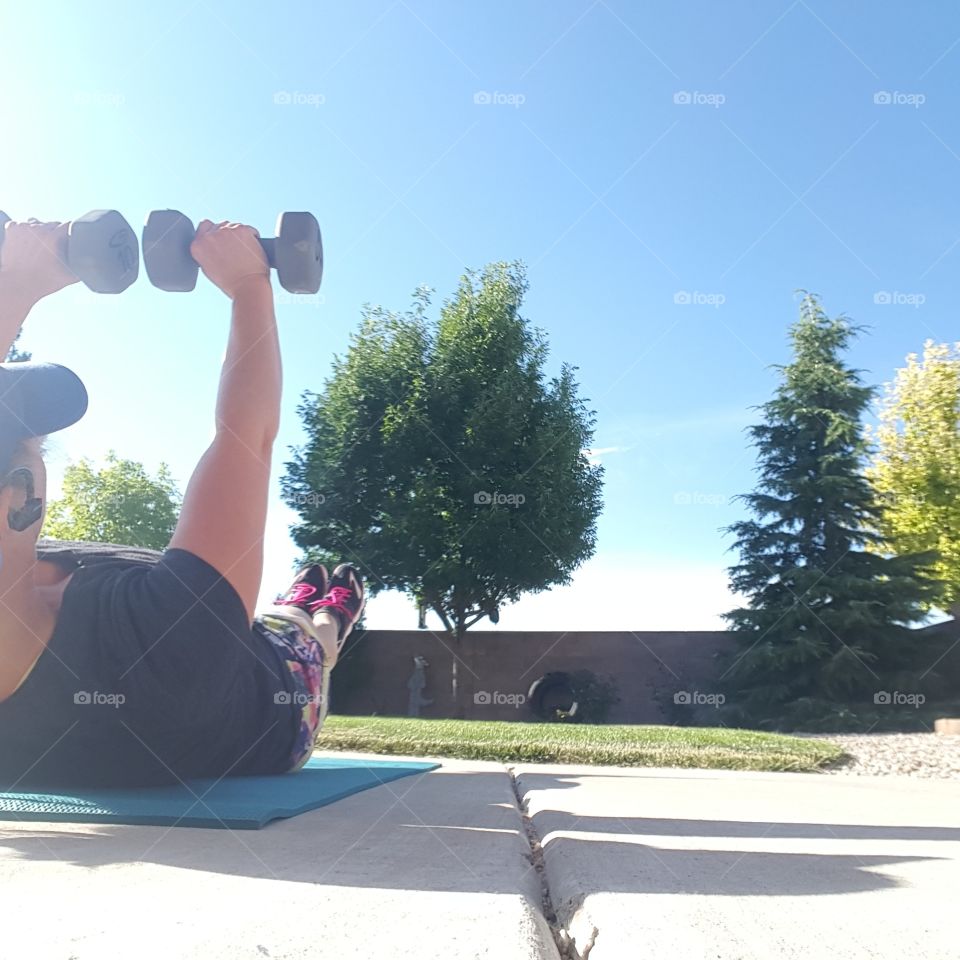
460 831
550 821
631 867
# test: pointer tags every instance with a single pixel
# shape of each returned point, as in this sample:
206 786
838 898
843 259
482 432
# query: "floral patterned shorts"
304 658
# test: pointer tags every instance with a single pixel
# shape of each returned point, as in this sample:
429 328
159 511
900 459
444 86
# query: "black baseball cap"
36 399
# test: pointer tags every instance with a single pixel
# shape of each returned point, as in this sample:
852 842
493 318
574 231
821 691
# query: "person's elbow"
257 438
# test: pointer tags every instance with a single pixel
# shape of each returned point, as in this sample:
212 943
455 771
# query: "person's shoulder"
71 554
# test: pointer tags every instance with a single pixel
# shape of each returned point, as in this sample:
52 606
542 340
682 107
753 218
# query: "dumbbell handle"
269 245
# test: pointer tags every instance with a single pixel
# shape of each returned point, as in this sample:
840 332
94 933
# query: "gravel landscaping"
928 755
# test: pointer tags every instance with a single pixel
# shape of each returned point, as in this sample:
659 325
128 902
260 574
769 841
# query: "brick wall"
648 668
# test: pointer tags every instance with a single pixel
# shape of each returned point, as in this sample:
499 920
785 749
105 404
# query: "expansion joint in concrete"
566 945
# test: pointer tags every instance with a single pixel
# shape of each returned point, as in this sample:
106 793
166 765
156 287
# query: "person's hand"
33 260
231 256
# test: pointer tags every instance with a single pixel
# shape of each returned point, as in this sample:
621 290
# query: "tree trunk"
456 685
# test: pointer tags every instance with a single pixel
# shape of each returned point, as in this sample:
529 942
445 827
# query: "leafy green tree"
15 354
916 465
826 632
441 459
119 503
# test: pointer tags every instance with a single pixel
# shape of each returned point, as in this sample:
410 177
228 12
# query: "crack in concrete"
566 945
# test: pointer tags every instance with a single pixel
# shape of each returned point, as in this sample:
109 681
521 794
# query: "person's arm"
224 510
32 266
14 309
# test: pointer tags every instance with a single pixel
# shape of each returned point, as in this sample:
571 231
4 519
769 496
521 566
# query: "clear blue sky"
780 172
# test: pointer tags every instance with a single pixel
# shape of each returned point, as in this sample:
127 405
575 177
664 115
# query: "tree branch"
467 623
441 613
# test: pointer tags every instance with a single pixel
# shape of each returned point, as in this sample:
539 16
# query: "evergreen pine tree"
825 640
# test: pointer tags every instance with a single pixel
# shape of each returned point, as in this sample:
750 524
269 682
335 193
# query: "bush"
593 696
809 715
352 672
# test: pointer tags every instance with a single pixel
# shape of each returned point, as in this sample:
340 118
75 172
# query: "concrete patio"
737 866
638 863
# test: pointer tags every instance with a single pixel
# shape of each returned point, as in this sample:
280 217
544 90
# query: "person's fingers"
59 237
204 229
51 235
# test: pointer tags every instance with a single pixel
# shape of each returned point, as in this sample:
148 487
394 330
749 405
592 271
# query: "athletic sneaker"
308 589
344 599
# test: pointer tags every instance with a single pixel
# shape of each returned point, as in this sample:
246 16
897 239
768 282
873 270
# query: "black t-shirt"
153 675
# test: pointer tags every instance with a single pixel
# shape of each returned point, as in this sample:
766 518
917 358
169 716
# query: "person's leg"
322 628
343 604
327 614
309 634
308 681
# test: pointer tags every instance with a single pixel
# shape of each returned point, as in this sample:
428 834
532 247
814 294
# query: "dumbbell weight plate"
166 251
297 252
103 251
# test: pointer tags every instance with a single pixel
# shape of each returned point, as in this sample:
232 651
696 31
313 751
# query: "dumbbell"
296 253
101 251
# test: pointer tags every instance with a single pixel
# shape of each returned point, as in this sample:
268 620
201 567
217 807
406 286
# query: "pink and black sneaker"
308 589
344 599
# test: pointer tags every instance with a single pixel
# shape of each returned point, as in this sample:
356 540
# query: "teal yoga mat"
236 803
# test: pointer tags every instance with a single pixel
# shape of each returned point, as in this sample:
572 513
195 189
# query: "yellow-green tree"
119 503
916 464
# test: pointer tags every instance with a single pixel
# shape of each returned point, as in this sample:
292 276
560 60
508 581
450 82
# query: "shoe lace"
337 597
298 593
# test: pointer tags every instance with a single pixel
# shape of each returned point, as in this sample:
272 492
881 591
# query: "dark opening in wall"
552 694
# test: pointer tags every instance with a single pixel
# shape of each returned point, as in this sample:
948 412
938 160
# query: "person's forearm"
248 402
14 307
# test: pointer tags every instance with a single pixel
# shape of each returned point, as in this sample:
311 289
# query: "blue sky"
671 174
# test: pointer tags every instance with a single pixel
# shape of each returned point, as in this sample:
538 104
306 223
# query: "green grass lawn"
633 746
